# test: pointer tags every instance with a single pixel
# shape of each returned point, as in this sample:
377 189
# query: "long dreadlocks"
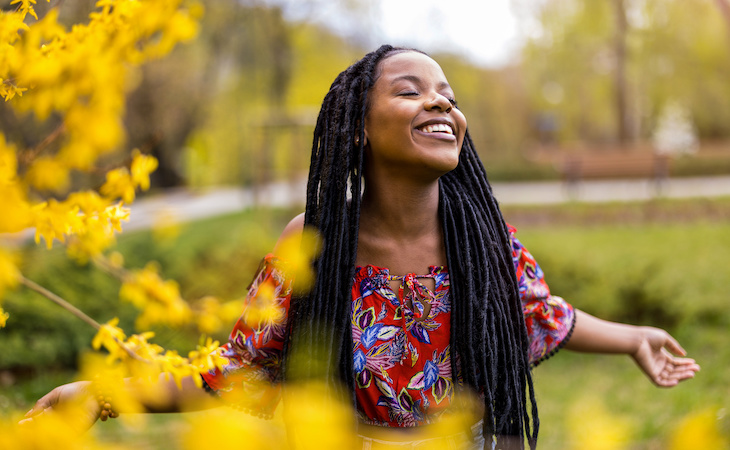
488 335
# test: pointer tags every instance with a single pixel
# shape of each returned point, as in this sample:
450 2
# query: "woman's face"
411 122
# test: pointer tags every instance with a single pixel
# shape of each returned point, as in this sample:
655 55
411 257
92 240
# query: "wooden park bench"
576 167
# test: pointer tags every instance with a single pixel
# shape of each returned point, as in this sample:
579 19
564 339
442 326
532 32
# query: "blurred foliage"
653 273
238 105
264 78
571 64
210 257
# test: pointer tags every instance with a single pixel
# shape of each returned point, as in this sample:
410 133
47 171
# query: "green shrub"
665 275
216 256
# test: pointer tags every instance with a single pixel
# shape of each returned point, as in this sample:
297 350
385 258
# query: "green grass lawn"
659 264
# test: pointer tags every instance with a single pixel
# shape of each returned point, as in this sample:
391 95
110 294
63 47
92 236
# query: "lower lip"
441 136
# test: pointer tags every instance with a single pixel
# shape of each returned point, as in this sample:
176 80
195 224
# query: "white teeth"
438 128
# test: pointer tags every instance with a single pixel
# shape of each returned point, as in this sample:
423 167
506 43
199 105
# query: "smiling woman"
411 121
422 295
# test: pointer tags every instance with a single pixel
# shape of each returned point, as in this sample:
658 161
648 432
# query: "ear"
365 132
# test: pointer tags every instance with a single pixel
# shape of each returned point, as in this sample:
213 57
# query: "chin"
445 166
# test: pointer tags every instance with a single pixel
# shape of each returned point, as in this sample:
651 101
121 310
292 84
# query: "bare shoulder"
293 228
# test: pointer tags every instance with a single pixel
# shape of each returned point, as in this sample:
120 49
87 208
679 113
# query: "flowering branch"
60 302
28 156
75 311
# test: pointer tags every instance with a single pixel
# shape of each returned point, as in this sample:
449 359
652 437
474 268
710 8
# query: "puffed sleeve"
251 379
549 318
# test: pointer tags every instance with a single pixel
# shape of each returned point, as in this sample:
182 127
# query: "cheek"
384 127
461 121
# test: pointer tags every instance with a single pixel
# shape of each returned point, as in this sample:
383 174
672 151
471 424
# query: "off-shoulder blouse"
400 339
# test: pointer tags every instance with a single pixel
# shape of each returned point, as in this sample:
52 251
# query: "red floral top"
401 350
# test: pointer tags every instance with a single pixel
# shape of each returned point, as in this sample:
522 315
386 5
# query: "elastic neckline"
371 271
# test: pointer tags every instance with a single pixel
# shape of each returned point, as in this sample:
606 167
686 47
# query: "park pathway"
184 205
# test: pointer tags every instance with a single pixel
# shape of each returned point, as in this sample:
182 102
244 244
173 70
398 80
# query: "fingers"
676 370
31 415
673 346
44 402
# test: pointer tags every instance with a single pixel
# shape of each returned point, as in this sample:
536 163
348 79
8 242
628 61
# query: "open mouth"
437 128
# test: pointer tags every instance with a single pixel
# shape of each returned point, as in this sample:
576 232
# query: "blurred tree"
621 88
258 125
604 70
242 44
237 38
494 104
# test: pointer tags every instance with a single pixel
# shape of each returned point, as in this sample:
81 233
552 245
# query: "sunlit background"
604 126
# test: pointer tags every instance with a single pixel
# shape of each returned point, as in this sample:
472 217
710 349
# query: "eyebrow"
417 80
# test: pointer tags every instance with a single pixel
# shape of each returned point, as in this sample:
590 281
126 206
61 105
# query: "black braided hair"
488 335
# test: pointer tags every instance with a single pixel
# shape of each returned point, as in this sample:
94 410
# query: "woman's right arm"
160 397
252 351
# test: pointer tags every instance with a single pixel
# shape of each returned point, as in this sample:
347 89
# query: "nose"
439 102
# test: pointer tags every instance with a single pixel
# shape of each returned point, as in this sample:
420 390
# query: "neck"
399 225
400 208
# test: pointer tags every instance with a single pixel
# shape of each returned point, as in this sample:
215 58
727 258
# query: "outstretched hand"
658 356
74 399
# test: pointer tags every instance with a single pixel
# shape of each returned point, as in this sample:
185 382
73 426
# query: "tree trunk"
623 118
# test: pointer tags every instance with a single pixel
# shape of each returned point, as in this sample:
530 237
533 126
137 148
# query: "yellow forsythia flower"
115 214
94 239
98 224
16 211
8 90
699 430
263 309
61 428
159 300
297 252
55 220
211 315
10 26
206 315
604 430
206 358
26 7
110 337
48 174
219 427
89 202
3 318
9 273
119 184
142 167
138 343
8 161
175 366
110 380
315 410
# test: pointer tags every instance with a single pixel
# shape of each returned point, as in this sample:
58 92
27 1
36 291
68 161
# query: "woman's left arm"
552 323
656 353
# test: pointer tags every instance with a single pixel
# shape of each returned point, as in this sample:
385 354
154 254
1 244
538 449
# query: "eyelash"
450 99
